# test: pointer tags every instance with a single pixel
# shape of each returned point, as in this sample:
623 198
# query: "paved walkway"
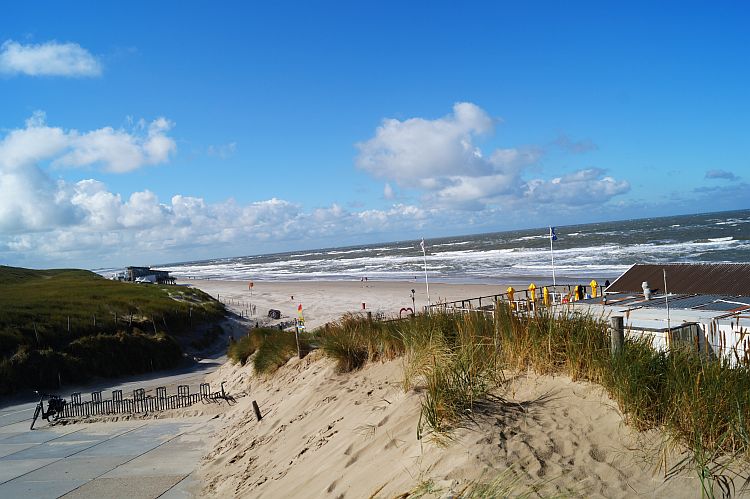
133 459
130 459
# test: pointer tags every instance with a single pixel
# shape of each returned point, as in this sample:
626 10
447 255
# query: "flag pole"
552 253
666 301
426 283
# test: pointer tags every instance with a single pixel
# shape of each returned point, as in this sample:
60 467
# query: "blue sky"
155 132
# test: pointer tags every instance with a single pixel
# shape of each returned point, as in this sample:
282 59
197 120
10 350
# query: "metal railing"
522 300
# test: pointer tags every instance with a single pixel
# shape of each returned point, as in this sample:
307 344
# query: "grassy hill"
69 324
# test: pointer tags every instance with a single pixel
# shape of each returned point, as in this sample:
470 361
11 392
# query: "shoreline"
328 301
515 281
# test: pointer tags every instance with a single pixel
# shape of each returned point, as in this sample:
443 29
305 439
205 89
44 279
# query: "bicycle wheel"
36 415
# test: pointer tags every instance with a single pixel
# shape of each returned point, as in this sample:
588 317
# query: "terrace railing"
523 300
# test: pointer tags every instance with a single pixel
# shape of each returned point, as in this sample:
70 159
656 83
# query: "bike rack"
140 402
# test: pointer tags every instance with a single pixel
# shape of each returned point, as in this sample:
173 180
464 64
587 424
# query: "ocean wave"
600 251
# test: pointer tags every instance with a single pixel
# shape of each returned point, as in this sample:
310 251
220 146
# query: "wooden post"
94 315
68 324
617 334
296 336
36 334
257 411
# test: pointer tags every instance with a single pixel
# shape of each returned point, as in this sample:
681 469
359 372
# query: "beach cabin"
133 274
704 305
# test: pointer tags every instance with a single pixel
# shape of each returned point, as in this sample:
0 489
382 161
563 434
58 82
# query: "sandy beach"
354 435
325 301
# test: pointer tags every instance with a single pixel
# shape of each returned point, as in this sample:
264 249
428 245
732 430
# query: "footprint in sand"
597 454
332 487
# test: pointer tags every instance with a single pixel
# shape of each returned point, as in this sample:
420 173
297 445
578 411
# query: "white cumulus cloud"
583 187
116 150
48 59
411 150
31 200
440 159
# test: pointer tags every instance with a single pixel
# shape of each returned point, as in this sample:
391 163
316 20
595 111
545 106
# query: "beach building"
704 305
134 274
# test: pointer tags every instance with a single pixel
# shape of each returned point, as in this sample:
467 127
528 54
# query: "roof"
731 279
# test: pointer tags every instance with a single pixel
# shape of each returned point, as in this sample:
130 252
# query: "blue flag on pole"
552 234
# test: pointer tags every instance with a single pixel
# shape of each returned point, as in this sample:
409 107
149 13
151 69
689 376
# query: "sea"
581 252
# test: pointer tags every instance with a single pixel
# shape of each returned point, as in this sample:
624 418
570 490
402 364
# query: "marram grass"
701 404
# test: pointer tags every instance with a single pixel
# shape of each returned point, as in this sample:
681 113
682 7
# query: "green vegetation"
505 484
272 349
701 404
71 325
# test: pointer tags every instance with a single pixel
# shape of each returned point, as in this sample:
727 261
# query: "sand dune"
355 435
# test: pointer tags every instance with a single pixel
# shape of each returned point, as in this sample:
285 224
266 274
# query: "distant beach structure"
702 306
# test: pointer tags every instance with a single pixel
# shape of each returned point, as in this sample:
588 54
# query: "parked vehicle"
55 406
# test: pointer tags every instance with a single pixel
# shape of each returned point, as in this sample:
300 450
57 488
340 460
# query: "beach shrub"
275 350
38 369
349 341
84 325
208 338
635 380
125 353
240 350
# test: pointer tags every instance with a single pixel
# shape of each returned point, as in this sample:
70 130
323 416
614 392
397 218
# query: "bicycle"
55 406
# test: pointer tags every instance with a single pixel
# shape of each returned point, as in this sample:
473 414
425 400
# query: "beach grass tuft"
267 348
457 360
275 350
240 350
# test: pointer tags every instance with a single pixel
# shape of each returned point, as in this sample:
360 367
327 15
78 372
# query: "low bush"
275 350
76 324
240 350
125 353
208 338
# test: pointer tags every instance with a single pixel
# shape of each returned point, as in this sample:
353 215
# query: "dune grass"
701 404
272 348
58 325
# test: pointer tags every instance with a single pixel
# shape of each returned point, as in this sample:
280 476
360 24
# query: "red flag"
299 309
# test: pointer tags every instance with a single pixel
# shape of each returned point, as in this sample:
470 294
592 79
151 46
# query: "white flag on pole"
426 283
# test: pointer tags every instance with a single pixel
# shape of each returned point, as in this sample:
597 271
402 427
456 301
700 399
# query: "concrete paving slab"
11 469
186 488
16 416
56 449
122 445
6 449
25 436
39 489
118 488
75 468
153 464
